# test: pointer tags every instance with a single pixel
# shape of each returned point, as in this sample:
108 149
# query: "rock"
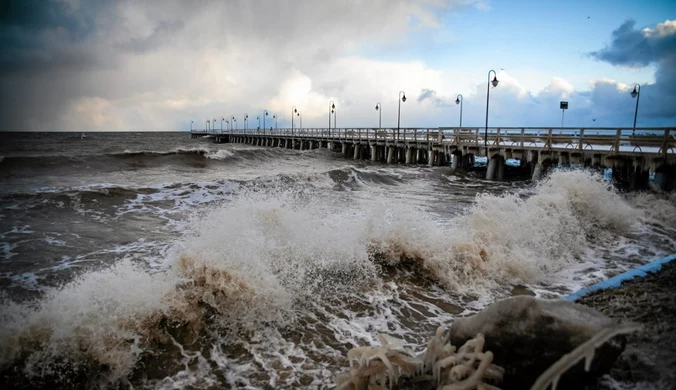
527 335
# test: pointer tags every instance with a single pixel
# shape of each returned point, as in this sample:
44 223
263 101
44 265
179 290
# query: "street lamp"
334 117
227 123
488 94
266 114
208 123
275 116
246 117
301 121
293 111
191 126
213 124
636 93
222 119
332 106
379 107
402 95
458 100
234 121
259 122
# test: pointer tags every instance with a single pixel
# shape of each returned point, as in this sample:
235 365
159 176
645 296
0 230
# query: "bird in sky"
588 17
594 119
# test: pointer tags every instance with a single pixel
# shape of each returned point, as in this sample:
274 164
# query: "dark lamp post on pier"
213 124
488 94
208 122
234 122
301 120
402 95
266 114
380 114
190 126
259 122
275 117
636 93
332 106
222 119
293 111
458 100
246 118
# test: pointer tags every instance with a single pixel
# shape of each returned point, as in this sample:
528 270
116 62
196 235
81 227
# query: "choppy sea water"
152 260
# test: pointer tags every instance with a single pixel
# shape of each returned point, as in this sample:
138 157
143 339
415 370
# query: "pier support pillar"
374 153
390 154
409 156
344 148
495 168
357 149
430 157
457 156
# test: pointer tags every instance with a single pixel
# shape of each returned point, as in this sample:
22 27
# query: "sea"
152 260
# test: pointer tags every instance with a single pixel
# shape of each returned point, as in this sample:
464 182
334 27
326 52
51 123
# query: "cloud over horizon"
100 65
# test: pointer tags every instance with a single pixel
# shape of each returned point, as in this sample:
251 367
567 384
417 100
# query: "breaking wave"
267 259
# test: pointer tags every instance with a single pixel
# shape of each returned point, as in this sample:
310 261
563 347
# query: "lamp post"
334 117
293 111
458 100
213 124
402 95
227 123
488 94
191 126
301 121
208 122
636 93
332 106
234 121
259 122
246 118
222 119
275 116
379 107
266 114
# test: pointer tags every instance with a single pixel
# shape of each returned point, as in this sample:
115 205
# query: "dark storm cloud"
638 48
47 35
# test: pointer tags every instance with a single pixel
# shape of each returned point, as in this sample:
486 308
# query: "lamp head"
376 107
333 106
266 113
298 114
294 110
495 81
403 98
634 93
457 100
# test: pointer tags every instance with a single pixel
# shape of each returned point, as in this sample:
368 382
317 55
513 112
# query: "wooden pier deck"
632 152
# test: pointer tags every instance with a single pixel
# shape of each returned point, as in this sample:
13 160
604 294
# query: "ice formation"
467 368
382 367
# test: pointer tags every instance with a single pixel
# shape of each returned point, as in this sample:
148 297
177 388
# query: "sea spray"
269 264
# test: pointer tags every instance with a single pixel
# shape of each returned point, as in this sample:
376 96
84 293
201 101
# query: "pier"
632 154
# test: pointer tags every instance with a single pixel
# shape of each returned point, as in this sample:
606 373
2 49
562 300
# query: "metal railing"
657 141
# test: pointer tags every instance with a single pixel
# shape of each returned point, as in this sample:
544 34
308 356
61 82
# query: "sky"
100 65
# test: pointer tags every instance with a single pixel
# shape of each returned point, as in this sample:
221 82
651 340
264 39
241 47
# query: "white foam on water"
280 284
220 154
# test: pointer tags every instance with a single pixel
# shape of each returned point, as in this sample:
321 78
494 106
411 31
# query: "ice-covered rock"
527 335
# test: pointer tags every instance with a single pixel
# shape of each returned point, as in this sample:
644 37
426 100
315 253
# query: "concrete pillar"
457 156
409 156
344 149
537 172
430 157
374 153
491 172
501 169
390 154
357 148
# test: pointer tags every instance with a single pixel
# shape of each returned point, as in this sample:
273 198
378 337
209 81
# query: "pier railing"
657 140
